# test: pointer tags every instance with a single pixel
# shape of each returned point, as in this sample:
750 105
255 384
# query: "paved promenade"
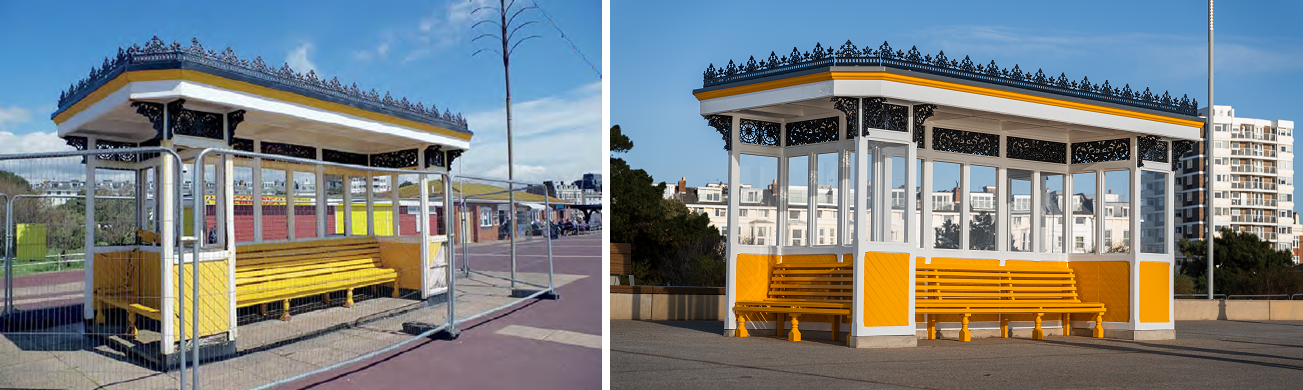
1206 355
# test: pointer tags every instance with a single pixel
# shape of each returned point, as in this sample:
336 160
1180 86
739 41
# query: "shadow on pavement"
1123 348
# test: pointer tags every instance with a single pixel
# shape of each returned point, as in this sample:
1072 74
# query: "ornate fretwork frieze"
851 108
108 146
157 54
341 157
970 142
242 144
434 156
396 159
878 114
1036 150
850 55
290 150
921 114
758 132
812 131
154 113
724 125
1150 148
76 142
233 119
1100 151
452 156
194 123
1180 148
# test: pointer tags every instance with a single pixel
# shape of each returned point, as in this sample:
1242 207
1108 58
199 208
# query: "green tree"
948 235
982 232
1244 264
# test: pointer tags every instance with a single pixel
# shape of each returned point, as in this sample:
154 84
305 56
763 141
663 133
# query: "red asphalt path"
483 359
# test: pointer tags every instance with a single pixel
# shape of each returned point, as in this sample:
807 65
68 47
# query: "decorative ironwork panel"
850 107
434 156
1180 148
75 142
1152 149
921 114
452 156
194 123
290 150
242 144
157 54
723 124
1036 150
233 119
154 113
1100 151
850 55
879 114
396 159
970 142
112 145
812 131
341 157
756 132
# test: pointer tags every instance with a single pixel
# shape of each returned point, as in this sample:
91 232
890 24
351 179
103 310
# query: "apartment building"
1253 185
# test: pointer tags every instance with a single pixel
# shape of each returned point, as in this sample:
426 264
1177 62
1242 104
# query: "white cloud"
446 27
555 138
10 116
37 170
298 59
380 51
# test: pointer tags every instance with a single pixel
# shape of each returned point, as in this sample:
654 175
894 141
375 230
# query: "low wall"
667 303
1236 310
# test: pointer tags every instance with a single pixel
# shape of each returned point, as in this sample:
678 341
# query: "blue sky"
659 50
418 49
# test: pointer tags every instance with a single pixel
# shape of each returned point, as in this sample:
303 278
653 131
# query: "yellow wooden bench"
266 273
970 289
803 288
124 293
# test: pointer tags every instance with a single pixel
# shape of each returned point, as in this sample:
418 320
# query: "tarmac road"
1206 355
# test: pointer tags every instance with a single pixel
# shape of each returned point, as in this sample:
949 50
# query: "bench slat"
1014 295
811 279
992 288
987 274
1007 310
772 309
971 268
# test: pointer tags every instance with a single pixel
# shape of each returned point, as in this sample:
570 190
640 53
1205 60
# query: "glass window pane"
1020 210
335 205
898 198
1051 229
758 179
827 197
1117 224
798 199
305 204
243 181
274 225
945 205
918 202
1153 214
1083 212
850 213
982 188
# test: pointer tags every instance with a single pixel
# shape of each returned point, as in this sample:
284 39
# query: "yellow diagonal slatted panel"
886 289
1108 282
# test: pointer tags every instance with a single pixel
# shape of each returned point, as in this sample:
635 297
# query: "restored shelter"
886 196
315 230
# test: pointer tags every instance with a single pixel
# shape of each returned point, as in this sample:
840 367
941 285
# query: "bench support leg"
262 309
1067 324
348 298
131 323
931 328
795 334
964 334
99 313
1038 333
742 326
778 325
1099 326
836 327
1004 327
394 291
285 310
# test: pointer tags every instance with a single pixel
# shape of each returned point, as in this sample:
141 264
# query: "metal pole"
506 74
199 205
1208 153
547 213
452 279
9 263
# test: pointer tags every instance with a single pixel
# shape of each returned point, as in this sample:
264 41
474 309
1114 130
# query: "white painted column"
257 194
1002 209
423 223
370 204
965 205
928 235
321 197
347 207
1038 244
1099 214
395 210
168 208
88 309
289 204
911 185
811 197
732 230
857 328
226 205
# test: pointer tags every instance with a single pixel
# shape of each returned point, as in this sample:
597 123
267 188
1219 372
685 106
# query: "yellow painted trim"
234 85
1155 281
885 76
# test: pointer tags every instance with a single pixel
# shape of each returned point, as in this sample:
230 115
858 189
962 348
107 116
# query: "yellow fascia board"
907 79
221 82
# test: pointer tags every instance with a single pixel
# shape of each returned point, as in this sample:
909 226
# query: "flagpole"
1208 146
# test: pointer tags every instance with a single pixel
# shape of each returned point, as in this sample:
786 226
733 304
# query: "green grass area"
22 267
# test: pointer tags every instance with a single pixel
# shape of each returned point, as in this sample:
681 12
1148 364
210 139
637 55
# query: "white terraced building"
1253 180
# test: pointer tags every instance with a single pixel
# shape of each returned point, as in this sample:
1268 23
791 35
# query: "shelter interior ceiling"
951 116
122 123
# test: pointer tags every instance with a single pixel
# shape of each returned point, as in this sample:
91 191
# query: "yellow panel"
753 281
926 82
1108 282
117 273
886 289
214 301
1029 263
1154 289
151 280
31 241
404 258
798 259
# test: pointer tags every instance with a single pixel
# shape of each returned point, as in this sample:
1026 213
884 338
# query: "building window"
794 214
742 212
720 212
1080 221
486 217
1079 244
